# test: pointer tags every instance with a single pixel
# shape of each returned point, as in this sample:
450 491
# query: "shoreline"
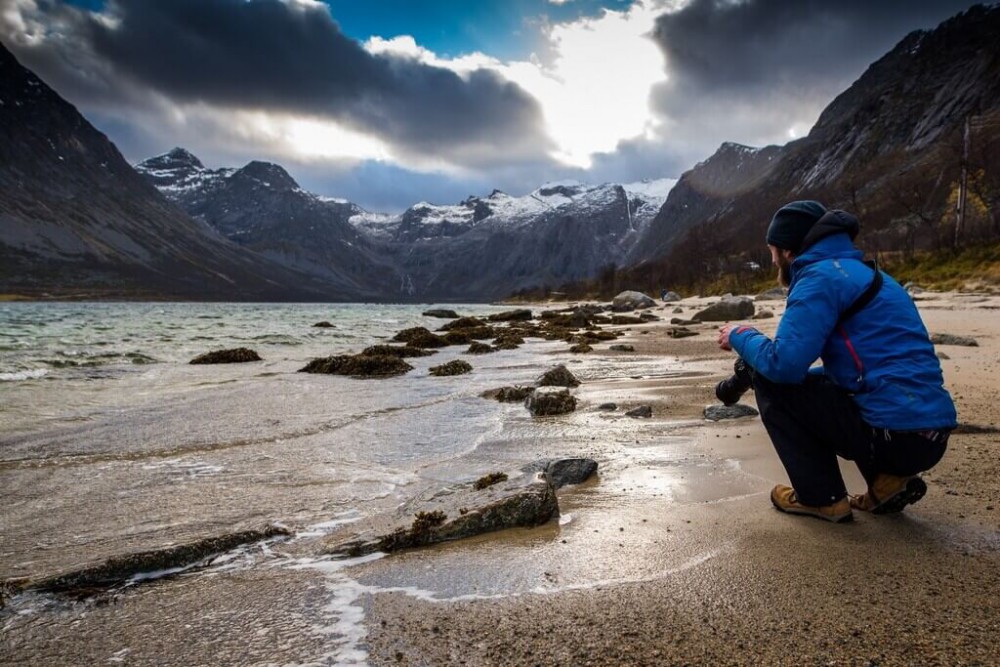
737 582
672 555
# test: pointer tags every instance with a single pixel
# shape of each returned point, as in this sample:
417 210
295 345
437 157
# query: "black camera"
729 391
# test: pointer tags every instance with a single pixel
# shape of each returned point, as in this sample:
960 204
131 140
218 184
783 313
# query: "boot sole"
913 491
843 518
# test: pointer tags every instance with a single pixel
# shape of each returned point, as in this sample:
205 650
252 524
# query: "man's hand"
724 332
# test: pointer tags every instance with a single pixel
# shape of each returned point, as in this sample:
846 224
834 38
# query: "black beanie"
792 222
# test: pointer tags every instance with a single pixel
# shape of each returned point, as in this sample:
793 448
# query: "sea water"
111 443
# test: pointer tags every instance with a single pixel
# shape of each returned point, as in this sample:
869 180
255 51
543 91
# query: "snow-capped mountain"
260 206
481 248
640 202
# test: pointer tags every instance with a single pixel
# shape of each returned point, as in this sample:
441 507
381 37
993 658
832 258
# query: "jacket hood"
832 222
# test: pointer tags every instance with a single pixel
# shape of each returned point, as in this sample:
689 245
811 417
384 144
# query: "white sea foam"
20 376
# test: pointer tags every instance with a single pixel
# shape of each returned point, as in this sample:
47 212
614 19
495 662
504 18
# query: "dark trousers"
812 423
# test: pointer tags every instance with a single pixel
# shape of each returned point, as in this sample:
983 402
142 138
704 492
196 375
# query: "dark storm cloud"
291 57
287 56
742 46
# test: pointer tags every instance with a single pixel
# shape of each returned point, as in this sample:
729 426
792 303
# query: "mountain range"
77 220
481 248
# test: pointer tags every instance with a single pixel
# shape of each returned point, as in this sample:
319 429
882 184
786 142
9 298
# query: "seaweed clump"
455 367
419 337
359 366
418 534
487 481
513 394
400 351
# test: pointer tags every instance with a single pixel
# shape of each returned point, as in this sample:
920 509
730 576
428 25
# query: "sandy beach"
727 580
672 555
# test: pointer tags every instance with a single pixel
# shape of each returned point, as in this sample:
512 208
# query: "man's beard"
784 272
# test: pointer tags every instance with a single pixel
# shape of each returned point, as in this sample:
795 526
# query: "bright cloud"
595 91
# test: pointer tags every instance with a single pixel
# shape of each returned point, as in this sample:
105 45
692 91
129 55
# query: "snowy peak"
267 174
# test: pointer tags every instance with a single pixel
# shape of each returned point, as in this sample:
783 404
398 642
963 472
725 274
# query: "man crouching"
878 399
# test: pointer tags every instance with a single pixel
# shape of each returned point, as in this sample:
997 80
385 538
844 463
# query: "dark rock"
528 500
463 335
731 308
682 322
626 319
479 348
419 337
592 336
950 339
562 472
718 412
509 394
518 315
681 332
463 323
649 317
402 351
644 411
581 348
677 310
608 406
323 325
773 294
558 377
455 367
508 340
442 313
576 319
622 348
237 355
359 366
764 315
631 300
670 297
550 401
942 355
120 569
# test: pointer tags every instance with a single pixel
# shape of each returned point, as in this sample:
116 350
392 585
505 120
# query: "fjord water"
111 443
101 409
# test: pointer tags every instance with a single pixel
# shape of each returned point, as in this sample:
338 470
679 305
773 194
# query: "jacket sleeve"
810 316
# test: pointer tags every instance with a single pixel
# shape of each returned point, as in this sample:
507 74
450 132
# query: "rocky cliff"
888 148
76 219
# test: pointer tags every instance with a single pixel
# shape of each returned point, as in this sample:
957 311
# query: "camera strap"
863 300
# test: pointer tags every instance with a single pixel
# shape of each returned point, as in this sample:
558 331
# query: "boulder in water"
454 367
237 355
558 377
359 366
547 401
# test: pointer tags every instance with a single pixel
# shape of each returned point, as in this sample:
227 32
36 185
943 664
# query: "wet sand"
711 574
673 555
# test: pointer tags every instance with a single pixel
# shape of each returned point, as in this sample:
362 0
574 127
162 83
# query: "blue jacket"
900 387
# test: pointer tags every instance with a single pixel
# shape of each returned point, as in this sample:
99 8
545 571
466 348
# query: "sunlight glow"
596 91
305 138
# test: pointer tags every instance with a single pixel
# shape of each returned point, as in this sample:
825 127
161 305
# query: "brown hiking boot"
889 494
783 498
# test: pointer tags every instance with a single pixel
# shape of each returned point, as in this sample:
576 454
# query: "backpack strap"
866 297
863 300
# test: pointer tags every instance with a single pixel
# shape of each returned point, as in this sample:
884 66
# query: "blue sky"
388 102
